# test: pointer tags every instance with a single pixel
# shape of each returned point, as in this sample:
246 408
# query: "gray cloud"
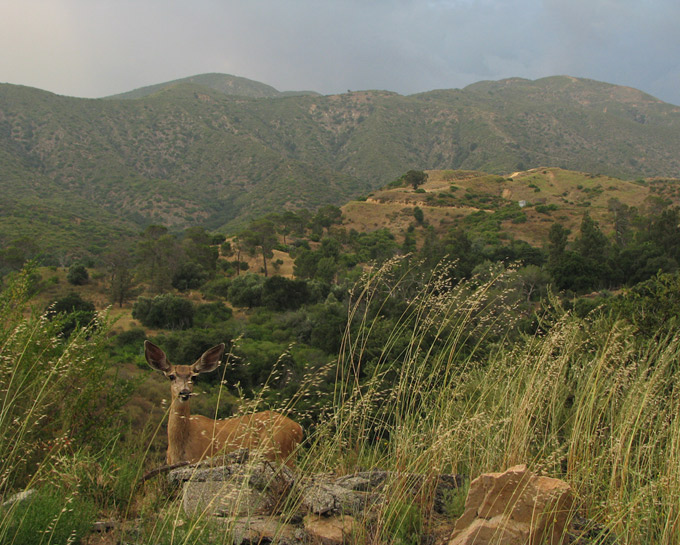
100 47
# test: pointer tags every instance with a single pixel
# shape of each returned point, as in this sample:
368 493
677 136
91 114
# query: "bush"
279 293
72 311
211 313
164 311
77 275
189 276
246 291
216 289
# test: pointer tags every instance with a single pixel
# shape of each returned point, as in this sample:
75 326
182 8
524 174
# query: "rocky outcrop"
515 508
249 495
263 502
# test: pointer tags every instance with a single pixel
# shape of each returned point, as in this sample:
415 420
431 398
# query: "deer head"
181 376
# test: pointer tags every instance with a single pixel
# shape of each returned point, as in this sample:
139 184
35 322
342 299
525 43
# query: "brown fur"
194 437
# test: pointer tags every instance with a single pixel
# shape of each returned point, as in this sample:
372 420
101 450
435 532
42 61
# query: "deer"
191 438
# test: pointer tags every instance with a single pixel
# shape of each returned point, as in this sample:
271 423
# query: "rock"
323 495
515 508
257 487
328 530
359 492
19 496
261 529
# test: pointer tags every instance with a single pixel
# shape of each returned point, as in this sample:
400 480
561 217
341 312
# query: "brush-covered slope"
522 206
189 154
224 83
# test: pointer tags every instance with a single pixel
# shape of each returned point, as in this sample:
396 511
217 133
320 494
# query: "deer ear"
210 360
156 357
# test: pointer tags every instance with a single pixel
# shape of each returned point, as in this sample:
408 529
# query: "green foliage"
246 291
280 293
210 314
403 521
652 306
189 276
48 516
59 395
71 312
418 214
415 178
77 275
216 289
164 311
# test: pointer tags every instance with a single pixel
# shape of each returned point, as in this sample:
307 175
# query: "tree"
165 311
593 243
159 256
326 216
557 245
415 178
279 293
74 311
77 275
189 276
198 248
261 234
121 282
418 214
290 223
246 291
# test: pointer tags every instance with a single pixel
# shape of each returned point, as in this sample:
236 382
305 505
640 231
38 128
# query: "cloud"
100 47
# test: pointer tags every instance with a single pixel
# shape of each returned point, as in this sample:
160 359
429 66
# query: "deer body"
194 437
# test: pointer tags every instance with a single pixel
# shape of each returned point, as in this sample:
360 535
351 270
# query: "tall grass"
430 379
582 399
58 424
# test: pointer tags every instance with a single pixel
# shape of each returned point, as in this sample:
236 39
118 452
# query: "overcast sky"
94 48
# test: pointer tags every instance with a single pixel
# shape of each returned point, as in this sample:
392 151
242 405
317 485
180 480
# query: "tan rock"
515 508
329 530
260 529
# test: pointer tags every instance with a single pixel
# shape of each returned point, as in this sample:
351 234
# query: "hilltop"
523 205
224 83
190 154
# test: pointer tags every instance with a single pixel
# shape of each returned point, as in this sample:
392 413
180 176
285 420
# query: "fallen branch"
159 470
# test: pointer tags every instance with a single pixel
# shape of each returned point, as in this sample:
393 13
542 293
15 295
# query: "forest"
461 344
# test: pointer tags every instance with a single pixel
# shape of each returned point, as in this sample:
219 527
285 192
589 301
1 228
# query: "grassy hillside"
540 196
189 154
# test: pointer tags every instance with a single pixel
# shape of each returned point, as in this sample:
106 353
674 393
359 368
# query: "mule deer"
194 437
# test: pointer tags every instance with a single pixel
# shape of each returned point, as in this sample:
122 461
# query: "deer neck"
178 431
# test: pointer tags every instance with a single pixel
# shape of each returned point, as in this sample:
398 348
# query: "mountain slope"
189 154
224 83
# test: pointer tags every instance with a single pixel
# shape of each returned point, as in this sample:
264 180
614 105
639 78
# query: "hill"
189 154
522 206
224 83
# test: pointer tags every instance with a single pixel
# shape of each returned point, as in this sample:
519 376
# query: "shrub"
77 275
189 276
279 293
71 312
164 311
216 289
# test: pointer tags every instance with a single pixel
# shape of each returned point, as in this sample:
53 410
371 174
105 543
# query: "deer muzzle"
185 395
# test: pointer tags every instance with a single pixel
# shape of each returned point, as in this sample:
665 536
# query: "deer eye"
172 376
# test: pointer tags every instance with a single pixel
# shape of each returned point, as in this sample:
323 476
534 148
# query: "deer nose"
185 394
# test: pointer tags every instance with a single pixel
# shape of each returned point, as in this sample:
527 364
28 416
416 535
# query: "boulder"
515 508
237 488
334 530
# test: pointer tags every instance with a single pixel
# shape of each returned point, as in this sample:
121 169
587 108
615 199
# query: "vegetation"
469 389
456 321
78 173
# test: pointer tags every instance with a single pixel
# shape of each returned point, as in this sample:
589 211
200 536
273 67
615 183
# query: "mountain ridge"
224 83
193 155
